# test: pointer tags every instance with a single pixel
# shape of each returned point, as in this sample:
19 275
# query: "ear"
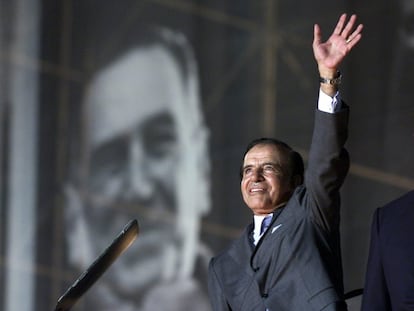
297 180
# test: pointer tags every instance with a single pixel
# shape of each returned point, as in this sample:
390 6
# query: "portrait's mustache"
101 204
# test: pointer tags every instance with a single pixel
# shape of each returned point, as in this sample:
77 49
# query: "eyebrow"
161 119
263 164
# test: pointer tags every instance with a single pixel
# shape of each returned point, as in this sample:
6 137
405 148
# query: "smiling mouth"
256 190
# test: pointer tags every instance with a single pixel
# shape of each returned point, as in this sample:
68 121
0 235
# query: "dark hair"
139 37
293 158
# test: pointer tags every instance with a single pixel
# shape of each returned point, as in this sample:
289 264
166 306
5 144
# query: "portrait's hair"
141 37
295 165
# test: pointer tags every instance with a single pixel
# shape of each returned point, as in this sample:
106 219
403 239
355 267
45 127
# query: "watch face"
334 81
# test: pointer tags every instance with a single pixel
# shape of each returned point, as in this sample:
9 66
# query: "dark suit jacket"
296 266
389 280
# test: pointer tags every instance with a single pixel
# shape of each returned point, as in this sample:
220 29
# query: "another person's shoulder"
406 200
397 209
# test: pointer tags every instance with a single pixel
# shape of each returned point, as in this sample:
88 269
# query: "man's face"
134 158
264 182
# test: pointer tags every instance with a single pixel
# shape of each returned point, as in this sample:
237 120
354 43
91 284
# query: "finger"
349 26
317 35
354 41
356 34
340 24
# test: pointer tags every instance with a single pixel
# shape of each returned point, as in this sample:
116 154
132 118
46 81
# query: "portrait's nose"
140 183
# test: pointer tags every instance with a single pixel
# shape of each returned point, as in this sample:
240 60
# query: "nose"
139 181
257 174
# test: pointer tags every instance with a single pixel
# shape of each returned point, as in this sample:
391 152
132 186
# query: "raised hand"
331 53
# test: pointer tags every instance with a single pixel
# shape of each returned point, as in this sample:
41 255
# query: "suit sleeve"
217 299
327 167
375 297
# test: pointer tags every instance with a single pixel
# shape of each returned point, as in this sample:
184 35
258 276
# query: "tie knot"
265 223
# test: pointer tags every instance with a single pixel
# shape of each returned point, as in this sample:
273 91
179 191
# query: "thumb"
317 36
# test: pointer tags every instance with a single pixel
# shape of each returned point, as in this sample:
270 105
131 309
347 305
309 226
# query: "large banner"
134 146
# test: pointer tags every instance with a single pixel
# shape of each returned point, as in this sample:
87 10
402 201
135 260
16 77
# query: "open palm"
345 36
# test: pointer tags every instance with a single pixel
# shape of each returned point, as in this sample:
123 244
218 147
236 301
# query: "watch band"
335 81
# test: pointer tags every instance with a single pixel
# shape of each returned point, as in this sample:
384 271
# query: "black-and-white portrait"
144 154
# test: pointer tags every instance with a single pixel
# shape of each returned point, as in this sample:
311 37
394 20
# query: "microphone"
124 239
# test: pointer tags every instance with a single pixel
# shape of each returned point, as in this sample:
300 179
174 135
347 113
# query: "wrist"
331 79
329 84
327 72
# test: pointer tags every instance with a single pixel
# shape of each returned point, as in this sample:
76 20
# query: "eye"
246 171
272 169
107 161
159 137
269 168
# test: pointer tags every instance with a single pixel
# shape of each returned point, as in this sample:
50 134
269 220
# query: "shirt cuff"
329 104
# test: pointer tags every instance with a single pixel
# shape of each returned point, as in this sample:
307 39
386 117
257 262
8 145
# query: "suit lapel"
280 216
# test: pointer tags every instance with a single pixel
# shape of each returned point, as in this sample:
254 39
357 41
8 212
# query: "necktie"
265 224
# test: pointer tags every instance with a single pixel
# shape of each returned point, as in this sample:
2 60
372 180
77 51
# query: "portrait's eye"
159 137
107 161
